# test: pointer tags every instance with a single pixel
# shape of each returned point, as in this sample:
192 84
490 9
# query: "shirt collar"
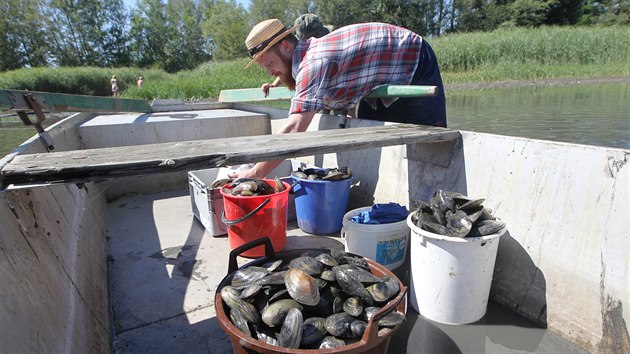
298 55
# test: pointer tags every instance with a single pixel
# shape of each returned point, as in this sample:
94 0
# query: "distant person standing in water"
307 26
115 88
140 82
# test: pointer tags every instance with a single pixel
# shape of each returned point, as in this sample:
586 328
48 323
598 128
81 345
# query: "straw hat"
263 36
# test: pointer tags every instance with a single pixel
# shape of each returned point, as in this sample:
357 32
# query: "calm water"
594 114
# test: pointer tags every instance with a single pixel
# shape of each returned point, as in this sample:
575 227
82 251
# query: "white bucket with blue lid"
384 243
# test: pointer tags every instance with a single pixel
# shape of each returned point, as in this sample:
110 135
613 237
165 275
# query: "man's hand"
266 86
249 173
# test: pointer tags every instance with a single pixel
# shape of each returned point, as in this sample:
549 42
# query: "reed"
501 55
521 53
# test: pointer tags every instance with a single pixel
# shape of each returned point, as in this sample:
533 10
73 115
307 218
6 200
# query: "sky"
132 3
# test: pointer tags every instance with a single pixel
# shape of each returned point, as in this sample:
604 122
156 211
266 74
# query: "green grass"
501 55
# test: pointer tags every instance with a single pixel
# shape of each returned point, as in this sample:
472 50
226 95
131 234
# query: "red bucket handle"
244 217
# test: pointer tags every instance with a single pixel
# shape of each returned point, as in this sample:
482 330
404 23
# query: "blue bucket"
320 205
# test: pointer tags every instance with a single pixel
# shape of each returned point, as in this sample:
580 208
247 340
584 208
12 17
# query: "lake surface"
593 114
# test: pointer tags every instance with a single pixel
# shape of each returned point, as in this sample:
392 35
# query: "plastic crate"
207 203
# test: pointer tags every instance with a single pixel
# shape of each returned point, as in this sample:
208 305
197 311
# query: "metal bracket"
39 113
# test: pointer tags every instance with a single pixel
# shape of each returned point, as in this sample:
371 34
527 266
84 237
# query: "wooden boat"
99 246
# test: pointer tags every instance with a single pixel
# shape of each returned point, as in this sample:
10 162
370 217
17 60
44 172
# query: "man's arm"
297 122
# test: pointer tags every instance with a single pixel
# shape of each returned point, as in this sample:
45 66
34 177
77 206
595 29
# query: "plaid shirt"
337 70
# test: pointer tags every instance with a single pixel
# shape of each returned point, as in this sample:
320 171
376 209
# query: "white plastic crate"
207 203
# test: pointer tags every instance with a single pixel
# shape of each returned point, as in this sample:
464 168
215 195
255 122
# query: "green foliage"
224 24
507 54
76 80
542 46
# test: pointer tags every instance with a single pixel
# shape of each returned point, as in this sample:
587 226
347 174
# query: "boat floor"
164 268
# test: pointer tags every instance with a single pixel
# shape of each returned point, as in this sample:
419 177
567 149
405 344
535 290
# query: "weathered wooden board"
283 93
91 164
14 99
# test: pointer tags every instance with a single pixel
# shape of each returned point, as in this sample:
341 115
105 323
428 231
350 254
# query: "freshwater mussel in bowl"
322 174
246 187
315 300
456 215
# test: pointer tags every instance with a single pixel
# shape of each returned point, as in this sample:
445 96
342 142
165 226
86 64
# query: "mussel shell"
250 291
308 264
442 202
352 286
275 313
244 277
299 174
264 188
247 188
334 176
331 342
231 298
357 261
385 290
489 227
272 265
302 287
279 295
220 182
328 275
358 273
352 306
392 319
458 224
338 324
338 254
290 335
471 205
327 259
358 327
237 318
275 278
313 330
265 335
337 305
435 228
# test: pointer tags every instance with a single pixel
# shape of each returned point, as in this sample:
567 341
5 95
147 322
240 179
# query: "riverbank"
533 83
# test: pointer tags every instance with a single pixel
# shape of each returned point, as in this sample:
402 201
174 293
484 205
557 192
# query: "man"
336 71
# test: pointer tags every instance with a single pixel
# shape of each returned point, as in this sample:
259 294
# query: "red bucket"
253 217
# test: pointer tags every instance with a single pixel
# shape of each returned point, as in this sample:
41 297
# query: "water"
594 114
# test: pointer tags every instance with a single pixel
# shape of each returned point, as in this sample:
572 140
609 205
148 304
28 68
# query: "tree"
87 32
22 35
189 47
150 32
226 23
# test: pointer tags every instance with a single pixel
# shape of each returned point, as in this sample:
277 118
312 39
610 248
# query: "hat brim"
271 44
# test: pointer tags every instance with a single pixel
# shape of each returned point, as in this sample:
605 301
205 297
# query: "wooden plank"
14 99
94 164
283 93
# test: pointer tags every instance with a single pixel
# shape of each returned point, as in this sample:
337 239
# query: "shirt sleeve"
311 85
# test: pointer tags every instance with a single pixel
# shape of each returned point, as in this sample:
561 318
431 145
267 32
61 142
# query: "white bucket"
450 276
384 243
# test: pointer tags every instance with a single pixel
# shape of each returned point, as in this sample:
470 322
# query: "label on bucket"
390 251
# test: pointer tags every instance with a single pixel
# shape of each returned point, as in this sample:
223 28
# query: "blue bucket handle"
244 217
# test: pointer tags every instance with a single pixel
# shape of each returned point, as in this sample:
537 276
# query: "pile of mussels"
316 300
454 214
323 174
248 186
